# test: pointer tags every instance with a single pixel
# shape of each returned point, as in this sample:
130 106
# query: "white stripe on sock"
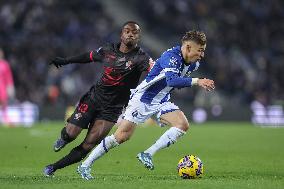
105 145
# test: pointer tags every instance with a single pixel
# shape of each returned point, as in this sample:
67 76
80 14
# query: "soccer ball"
190 167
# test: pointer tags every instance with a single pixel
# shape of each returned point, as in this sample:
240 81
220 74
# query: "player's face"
193 51
130 35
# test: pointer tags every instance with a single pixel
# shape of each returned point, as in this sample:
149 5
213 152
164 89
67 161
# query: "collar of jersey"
116 48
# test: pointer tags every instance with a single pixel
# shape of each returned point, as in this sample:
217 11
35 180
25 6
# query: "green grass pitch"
235 155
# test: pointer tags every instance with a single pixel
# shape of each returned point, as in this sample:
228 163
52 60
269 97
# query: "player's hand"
207 84
58 62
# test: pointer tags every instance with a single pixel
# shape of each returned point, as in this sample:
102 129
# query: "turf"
235 155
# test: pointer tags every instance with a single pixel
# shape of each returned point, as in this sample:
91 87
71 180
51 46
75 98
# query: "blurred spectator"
6 87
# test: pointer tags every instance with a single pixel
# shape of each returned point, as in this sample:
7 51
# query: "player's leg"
84 114
79 120
95 134
68 134
102 127
134 114
105 120
179 125
122 134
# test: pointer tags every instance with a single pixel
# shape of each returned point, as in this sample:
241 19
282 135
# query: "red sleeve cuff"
91 56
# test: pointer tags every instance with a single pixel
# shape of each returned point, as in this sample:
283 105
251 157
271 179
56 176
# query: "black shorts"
89 110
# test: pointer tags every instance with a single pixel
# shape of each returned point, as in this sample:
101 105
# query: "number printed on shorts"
83 108
135 113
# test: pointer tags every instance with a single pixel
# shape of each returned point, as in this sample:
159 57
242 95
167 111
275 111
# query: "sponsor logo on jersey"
78 116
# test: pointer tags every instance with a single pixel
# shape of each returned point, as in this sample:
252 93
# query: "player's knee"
71 131
124 131
183 125
186 126
127 136
66 136
122 136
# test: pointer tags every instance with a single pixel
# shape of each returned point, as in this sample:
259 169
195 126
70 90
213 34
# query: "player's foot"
85 172
49 171
146 159
59 144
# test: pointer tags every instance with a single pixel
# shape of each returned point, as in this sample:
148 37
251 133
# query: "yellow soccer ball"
190 167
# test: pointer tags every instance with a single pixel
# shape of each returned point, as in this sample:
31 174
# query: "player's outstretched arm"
174 80
82 58
58 62
207 84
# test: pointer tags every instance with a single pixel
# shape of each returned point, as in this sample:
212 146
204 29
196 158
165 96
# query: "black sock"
76 154
65 136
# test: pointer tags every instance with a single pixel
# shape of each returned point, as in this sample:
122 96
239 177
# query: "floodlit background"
244 55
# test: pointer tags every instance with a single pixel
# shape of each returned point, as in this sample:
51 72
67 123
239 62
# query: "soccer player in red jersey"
99 109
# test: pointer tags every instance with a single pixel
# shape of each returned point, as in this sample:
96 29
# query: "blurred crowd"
33 32
245 52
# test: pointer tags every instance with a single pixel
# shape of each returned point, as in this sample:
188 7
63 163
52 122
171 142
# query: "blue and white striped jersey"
155 88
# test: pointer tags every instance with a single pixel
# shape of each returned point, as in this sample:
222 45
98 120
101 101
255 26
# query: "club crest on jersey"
173 60
128 64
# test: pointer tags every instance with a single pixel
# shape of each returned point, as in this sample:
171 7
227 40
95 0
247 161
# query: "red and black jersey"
121 72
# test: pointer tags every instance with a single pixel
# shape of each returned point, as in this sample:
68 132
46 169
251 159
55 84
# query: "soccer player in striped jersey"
151 99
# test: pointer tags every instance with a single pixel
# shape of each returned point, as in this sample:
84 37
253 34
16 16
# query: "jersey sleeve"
82 58
98 54
171 63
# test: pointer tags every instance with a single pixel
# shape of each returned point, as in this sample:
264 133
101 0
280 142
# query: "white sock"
168 138
106 144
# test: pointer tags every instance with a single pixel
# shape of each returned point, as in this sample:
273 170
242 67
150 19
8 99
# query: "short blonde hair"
197 36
